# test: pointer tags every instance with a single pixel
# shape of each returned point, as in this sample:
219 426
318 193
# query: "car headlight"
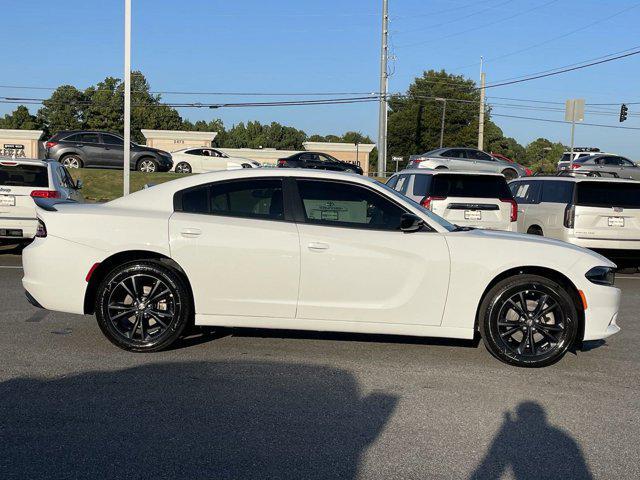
602 275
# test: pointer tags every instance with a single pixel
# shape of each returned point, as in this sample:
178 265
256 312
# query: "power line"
562 121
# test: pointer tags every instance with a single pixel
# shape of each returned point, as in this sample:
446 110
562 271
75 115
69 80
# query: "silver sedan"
604 163
466 159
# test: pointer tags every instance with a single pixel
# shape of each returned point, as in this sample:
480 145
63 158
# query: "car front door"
482 162
239 251
629 169
113 150
357 266
67 185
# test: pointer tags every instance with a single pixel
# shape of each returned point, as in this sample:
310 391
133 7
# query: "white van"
470 199
22 180
602 214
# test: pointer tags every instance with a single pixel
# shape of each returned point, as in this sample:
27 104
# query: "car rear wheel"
510 174
71 161
147 165
183 167
143 306
528 321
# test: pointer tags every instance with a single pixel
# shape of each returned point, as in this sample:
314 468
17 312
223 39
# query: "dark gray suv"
82 148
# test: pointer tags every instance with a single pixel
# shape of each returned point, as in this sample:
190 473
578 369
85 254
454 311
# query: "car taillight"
45 194
514 208
282 162
569 216
50 144
426 201
41 229
575 165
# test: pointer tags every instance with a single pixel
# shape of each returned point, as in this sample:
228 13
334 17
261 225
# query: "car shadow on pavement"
532 449
208 420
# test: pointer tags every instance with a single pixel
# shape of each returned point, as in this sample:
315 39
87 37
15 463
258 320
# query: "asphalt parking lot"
259 404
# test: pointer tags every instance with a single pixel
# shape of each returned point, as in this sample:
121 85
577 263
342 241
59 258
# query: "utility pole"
384 75
127 95
444 112
481 116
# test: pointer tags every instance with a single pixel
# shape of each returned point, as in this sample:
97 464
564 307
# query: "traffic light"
623 112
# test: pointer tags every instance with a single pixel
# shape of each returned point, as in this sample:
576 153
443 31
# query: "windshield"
439 220
608 194
23 175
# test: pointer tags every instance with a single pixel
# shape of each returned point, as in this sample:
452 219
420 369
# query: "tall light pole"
481 115
444 112
384 75
127 95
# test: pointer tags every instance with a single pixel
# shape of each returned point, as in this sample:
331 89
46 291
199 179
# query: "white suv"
602 214
470 199
22 180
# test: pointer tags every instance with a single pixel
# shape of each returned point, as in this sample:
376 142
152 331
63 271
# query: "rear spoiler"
49 204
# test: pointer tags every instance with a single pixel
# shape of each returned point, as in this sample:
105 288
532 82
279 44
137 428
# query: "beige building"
172 140
21 143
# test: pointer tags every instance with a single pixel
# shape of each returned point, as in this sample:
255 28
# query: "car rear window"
608 194
23 175
482 186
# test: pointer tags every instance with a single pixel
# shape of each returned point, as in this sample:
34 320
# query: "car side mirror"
79 184
410 223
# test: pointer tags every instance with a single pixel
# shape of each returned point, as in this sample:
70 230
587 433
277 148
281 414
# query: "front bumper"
601 315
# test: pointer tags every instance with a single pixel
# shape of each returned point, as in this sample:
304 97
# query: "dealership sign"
15 150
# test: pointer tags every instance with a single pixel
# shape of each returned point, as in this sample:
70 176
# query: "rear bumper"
605 244
27 225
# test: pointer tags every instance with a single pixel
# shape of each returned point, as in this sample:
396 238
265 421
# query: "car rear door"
92 148
527 195
607 210
17 181
113 154
357 266
481 201
238 247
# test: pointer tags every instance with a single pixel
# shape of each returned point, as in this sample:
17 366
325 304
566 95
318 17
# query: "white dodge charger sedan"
298 249
200 160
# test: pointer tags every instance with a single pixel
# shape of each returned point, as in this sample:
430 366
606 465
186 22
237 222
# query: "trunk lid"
17 181
489 213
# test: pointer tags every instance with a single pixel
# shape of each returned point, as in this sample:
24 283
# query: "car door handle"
190 232
318 246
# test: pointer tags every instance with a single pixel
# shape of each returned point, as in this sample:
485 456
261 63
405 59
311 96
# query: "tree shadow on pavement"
195 420
532 449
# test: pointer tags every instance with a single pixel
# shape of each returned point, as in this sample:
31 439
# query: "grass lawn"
102 185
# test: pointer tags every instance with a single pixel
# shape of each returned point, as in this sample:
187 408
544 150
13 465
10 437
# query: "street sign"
574 110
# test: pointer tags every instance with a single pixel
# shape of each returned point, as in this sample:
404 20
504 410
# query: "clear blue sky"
333 46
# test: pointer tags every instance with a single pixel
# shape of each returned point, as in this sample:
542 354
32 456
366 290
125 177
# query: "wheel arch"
535 226
120 258
144 156
543 272
70 152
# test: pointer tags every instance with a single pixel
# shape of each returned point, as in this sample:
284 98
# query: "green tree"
542 155
105 105
64 110
20 119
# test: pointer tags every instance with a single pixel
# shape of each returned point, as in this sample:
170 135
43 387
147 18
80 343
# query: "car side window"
526 192
478 155
73 138
453 153
626 162
90 138
403 183
305 157
112 139
256 198
422 184
345 205
194 151
392 181
557 192
612 161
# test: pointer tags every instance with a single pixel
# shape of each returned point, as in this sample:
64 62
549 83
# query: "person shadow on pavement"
533 449
191 420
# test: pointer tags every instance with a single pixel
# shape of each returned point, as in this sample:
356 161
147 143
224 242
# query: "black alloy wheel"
528 321
143 306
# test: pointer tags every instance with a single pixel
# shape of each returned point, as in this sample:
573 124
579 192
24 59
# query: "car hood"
532 246
151 149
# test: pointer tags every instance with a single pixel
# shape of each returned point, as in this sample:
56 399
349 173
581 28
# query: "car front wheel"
528 321
183 167
143 306
147 165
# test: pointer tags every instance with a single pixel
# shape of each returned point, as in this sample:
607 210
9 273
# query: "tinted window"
557 192
456 153
73 138
526 192
392 181
112 139
608 194
258 198
627 163
612 161
90 138
195 151
306 157
23 176
421 184
478 155
565 157
342 204
483 186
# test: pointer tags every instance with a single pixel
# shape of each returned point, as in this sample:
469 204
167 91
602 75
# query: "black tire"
183 167
535 230
509 174
147 165
72 161
508 330
128 315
